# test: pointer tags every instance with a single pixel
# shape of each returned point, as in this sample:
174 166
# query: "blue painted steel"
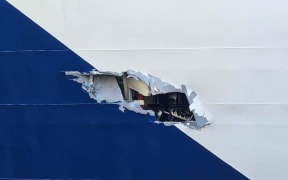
47 129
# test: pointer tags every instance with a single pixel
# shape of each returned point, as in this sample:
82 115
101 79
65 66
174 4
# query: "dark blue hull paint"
48 129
